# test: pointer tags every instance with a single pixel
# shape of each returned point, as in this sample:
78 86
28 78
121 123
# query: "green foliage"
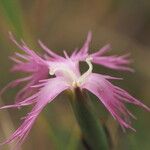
93 134
11 11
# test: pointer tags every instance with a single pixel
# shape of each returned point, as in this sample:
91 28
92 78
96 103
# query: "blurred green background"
63 24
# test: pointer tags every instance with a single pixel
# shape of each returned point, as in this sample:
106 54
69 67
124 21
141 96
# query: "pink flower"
51 74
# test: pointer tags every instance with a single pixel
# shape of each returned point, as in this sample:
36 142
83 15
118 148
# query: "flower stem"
94 137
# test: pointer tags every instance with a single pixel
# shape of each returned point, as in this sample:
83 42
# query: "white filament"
84 76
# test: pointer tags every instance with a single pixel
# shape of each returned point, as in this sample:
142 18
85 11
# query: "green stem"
94 137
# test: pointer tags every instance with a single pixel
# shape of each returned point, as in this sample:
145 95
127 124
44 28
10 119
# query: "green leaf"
10 9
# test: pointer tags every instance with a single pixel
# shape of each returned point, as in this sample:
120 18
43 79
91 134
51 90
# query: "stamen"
74 84
52 72
87 73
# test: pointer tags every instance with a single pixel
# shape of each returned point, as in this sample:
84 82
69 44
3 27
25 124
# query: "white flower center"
72 77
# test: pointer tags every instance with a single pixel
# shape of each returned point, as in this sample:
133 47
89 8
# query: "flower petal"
113 62
47 93
14 83
85 46
83 52
30 62
113 98
102 51
50 52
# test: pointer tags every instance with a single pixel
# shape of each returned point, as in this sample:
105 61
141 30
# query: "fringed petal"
102 51
14 83
50 52
47 93
113 98
113 62
83 52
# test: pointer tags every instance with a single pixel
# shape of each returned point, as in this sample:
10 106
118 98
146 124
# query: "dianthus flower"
51 74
